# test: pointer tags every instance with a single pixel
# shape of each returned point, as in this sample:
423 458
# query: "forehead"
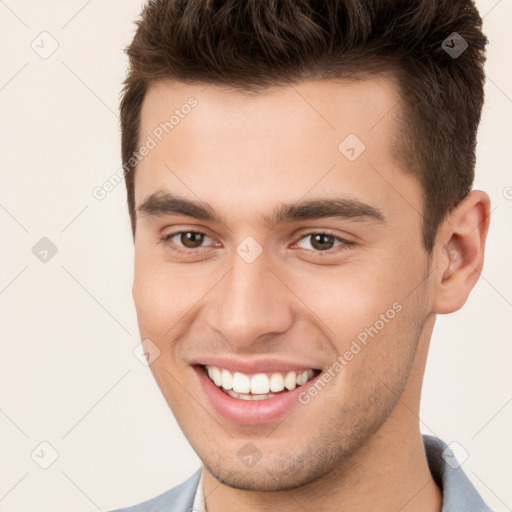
229 147
327 107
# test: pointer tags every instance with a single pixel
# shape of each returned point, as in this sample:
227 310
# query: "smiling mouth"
258 386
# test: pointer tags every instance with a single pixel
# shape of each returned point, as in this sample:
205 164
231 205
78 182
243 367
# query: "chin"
272 473
262 479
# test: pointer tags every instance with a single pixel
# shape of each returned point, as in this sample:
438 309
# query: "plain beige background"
69 378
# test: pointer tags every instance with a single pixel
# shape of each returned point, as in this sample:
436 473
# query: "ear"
459 252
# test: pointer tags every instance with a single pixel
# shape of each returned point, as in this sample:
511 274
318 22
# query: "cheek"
363 305
346 299
168 297
161 297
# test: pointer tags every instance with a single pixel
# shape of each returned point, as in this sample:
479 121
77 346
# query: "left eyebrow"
164 203
346 208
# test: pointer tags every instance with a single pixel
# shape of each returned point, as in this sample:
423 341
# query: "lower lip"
250 412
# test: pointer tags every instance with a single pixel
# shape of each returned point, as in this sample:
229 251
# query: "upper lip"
252 365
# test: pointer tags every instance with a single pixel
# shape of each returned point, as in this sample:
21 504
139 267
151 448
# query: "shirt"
459 494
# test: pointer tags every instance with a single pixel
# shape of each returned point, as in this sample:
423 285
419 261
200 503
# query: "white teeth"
290 381
227 379
302 378
241 383
216 375
276 383
259 386
244 396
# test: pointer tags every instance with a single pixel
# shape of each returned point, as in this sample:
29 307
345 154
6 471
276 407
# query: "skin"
357 444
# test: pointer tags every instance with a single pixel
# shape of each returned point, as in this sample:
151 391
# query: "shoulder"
177 499
458 491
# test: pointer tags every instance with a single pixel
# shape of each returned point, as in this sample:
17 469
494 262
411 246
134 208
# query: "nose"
249 305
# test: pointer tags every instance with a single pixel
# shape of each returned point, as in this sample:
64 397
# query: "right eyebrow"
161 203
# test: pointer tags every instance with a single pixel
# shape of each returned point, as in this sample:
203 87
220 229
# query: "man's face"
265 289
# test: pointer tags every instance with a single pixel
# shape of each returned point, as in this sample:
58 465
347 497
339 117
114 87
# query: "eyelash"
345 244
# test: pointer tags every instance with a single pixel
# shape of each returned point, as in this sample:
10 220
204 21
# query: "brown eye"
187 240
191 239
321 241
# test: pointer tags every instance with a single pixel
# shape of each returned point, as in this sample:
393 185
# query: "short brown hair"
254 44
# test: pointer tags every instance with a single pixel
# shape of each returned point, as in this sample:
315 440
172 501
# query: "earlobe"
460 247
